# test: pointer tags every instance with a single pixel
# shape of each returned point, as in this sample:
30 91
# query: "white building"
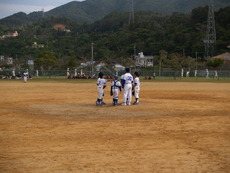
143 61
9 61
36 45
2 58
10 34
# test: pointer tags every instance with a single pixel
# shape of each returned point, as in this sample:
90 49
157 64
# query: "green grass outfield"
157 79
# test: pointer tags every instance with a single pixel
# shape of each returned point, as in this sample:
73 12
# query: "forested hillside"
89 11
92 10
114 40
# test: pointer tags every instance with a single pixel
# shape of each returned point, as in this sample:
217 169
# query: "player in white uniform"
101 83
127 88
115 87
25 76
136 86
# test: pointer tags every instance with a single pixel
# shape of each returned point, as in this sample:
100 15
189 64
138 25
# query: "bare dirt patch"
56 127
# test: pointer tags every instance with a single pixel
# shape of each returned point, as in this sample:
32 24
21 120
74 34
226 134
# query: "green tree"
162 56
46 60
72 63
128 62
215 63
189 62
175 61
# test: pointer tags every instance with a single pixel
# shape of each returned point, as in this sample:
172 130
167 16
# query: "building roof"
59 27
224 56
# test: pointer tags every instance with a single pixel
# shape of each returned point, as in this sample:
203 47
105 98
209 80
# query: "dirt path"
54 127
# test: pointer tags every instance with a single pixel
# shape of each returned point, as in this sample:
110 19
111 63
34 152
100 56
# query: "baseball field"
53 126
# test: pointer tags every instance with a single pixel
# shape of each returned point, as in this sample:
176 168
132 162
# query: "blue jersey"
122 80
25 74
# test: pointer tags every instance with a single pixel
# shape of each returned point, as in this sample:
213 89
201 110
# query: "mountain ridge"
90 11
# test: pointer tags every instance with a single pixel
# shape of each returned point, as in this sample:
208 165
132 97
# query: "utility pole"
183 52
134 50
210 39
196 60
131 12
92 56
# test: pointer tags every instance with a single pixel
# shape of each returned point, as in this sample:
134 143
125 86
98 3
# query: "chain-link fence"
148 74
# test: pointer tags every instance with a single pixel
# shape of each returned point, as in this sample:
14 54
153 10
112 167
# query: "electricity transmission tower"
43 13
131 12
210 39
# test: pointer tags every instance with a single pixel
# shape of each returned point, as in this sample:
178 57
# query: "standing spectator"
187 73
25 76
195 74
207 74
154 75
215 74
182 73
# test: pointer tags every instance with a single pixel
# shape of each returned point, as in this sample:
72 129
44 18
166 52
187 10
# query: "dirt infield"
55 127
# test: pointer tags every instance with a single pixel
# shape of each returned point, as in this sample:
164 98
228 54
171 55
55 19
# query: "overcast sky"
9 7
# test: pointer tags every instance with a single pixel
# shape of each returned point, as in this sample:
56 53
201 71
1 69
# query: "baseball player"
136 87
25 76
127 88
101 83
115 87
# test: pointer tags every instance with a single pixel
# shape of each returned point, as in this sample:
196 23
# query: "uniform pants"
136 91
115 93
100 91
25 79
128 93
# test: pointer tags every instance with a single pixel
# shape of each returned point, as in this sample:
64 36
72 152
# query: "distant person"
67 72
25 76
136 87
215 74
195 74
154 75
207 73
182 73
13 74
187 74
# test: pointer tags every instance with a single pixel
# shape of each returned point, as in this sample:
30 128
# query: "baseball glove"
133 93
111 92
